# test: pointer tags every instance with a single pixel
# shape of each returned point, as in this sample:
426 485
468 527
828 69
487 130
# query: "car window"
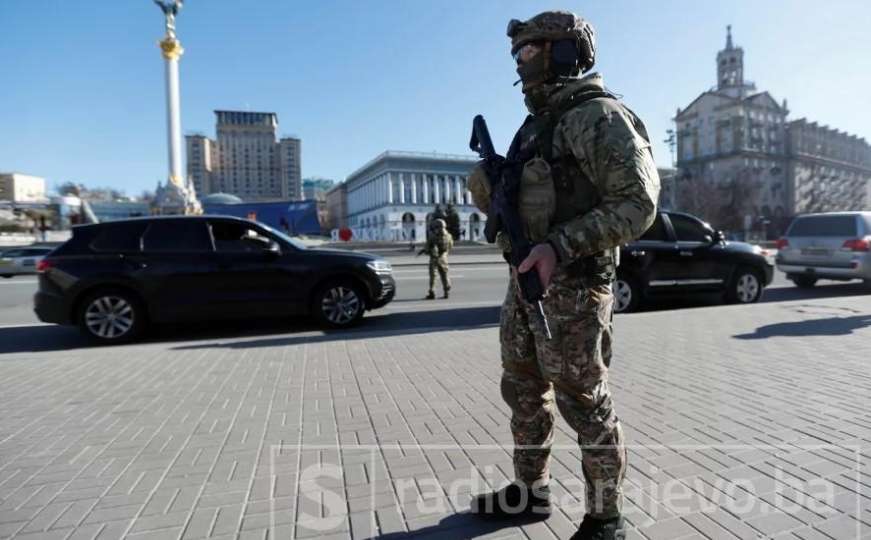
656 232
177 236
238 238
12 253
119 237
823 226
687 229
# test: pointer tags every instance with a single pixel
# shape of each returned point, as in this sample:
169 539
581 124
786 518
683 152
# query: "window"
823 226
119 237
238 238
656 232
688 229
177 236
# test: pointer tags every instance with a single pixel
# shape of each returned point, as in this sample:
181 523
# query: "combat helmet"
569 40
439 224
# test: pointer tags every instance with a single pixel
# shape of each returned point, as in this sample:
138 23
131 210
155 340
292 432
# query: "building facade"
391 197
337 207
246 159
316 188
22 188
742 162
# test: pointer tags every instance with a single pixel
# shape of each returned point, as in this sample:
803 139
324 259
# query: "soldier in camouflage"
438 245
603 186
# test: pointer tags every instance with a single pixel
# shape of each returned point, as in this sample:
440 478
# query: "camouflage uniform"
607 186
438 246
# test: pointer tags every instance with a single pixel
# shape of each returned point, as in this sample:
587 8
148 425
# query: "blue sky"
82 91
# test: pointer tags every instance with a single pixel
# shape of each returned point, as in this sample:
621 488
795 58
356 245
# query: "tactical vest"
576 194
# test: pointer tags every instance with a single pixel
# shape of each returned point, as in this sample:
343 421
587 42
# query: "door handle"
686 253
637 253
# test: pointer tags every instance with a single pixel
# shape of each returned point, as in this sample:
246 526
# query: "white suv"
834 245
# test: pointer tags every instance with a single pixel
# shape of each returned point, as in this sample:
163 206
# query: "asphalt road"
478 289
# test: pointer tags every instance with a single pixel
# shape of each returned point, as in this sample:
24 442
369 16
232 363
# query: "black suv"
112 279
681 255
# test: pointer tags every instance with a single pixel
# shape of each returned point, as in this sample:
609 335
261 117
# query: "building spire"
729 46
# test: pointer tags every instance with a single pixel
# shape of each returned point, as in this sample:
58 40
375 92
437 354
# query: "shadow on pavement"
770 295
387 325
832 326
44 338
461 525
786 294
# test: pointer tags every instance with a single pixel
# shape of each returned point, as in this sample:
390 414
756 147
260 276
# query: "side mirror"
718 237
709 239
273 248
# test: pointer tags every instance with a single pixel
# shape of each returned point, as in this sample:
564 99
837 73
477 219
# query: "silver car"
834 245
16 261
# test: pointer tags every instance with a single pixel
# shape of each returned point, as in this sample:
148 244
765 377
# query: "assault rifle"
504 177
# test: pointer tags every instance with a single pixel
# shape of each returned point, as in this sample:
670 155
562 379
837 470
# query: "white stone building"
22 188
390 197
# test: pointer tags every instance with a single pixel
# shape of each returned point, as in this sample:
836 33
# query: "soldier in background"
588 185
438 245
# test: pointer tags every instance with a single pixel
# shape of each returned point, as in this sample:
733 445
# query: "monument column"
179 194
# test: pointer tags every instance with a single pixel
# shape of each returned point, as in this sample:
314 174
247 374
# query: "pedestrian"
438 245
589 184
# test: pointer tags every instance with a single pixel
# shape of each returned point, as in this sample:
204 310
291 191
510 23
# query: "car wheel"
7 276
804 282
111 316
627 294
339 304
745 288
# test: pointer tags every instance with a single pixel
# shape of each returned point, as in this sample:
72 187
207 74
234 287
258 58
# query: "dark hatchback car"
681 256
113 279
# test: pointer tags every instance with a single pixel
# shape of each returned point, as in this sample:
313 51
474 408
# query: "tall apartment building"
738 152
246 159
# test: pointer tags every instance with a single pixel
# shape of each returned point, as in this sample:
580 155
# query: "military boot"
429 296
447 292
514 501
601 529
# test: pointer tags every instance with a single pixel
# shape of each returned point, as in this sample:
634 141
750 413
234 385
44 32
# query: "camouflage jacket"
439 244
612 181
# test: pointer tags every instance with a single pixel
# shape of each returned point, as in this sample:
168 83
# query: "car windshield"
295 243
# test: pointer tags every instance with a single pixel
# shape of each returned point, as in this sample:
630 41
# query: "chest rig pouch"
575 194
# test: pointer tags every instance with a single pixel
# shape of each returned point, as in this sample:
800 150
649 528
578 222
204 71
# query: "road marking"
25 325
424 278
30 281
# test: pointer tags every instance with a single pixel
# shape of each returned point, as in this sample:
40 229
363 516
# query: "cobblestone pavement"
744 422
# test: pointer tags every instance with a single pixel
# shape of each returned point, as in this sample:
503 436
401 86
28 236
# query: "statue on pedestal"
170 10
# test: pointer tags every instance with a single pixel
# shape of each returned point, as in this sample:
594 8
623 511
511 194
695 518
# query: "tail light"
858 244
782 243
44 265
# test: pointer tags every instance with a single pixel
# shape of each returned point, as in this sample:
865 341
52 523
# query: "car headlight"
380 266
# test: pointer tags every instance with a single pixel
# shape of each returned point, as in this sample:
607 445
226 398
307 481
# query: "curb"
451 264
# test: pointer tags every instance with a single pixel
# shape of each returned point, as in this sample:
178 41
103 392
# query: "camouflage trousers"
570 369
440 265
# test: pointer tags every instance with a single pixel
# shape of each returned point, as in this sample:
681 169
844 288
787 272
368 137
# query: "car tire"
110 316
627 294
6 276
804 282
745 287
338 304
